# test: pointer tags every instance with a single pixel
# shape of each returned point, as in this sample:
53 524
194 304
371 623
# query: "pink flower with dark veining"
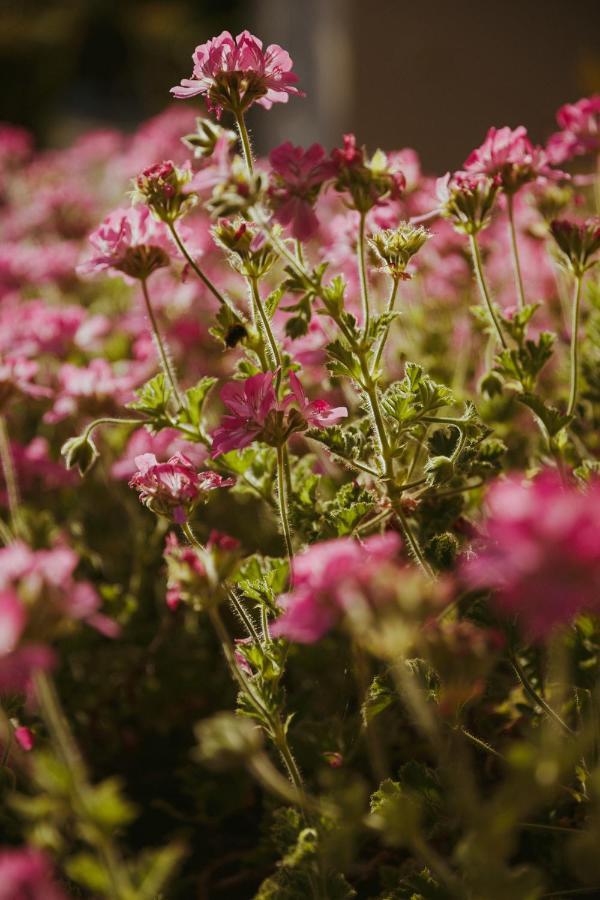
541 553
296 179
165 443
129 241
249 403
233 73
509 155
174 487
317 413
580 130
26 874
327 578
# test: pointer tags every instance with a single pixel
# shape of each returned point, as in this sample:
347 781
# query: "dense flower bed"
347 643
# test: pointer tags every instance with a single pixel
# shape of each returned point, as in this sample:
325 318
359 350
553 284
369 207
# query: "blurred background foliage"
399 74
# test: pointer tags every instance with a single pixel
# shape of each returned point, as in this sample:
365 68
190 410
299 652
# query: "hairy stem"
282 463
537 698
574 354
162 350
483 289
245 140
10 478
390 308
265 324
195 267
362 271
515 251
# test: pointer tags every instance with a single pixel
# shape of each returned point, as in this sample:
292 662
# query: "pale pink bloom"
17 377
25 738
580 134
296 179
249 403
328 578
26 874
509 155
174 487
541 554
317 413
166 443
16 144
226 66
33 327
122 233
93 388
37 264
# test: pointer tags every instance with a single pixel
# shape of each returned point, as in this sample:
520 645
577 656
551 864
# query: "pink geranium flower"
94 388
508 155
174 487
233 73
17 377
129 241
26 874
327 578
317 413
249 403
580 130
541 553
296 179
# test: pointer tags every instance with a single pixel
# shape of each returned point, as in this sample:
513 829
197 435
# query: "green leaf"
343 361
107 807
153 400
550 417
89 873
195 398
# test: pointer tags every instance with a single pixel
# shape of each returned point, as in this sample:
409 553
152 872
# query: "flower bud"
204 140
247 248
491 384
467 200
578 242
80 452
161 188
439 469
397 246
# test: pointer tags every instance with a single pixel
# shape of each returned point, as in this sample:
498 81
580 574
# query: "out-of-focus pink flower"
509 155
129 241
541 552
46 577
185 571
296 179
17 663
25 738
174 487
91 389
12 621
328 578
26 874
233 73
318 413
17 377
16 144
249 403
29 328
580 130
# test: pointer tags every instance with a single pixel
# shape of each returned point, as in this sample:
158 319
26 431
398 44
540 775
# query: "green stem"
195 267
245 139
483 289
375 748
162 351
574 355
390 308
515 251
537 698
68 752
411 540
265 324
283 501
109 420
244 616
362 270
10 478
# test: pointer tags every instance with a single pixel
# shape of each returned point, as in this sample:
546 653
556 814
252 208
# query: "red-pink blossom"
167 442
25 738
94 389
233 73
328 578
129 241
509 155
174 487
249 403
296 179
317 413
541 553
580 130
26 874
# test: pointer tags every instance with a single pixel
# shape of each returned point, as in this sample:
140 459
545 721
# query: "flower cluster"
173 488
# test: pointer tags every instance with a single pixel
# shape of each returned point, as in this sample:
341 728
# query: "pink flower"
297 177
25 738
328 577
185 571
26 874
17 663
173 488
233 73
249 403
580 134
17 377
94 388
317 413
541 553
509 155
166 442
130 241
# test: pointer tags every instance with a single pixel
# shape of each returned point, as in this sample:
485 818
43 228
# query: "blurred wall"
433 75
